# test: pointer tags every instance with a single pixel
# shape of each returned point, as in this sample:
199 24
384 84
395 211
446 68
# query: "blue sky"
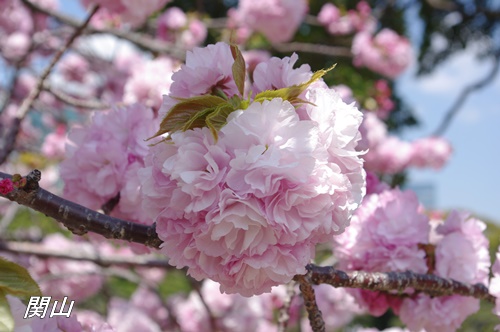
470 181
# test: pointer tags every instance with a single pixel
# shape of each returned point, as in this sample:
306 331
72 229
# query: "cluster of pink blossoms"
384 235
184 31
461 253
247 209
388 154
386 53
388 233
278 20
103 158
129 12
332 18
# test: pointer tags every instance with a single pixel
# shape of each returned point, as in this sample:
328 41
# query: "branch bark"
399 281
81 220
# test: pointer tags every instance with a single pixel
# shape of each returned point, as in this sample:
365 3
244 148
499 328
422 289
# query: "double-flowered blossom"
384 236
389 154
461 253
247 207
103 158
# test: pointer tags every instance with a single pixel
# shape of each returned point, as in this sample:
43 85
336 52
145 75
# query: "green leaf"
7 321
239 70
184 111
218 118
175 282
292 93
15 280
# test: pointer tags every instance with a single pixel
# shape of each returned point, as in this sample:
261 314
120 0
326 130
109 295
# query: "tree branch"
70 100
140 40
465 94
284 312
399 281
36 249
313 312
9 136
335 51
80 220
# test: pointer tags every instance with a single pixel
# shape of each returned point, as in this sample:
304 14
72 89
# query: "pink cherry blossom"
148 81
463 238
438 314
387 53
74 67
384 235
130 11
206 69
278 20
53 143
15 46
333 20
277 73
230 312
176 27
390 156
60 277
430 152
103 159
173 18
247 210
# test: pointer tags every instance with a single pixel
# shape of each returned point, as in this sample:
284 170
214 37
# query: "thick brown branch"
378 281
39 250
313 312
80 220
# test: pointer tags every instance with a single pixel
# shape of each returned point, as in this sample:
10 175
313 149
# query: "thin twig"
140 40
284 312
465 94
334 51
75 102
211 318
9 139
40 250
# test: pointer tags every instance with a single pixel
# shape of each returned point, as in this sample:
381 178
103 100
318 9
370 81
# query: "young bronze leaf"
239 70
184 110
